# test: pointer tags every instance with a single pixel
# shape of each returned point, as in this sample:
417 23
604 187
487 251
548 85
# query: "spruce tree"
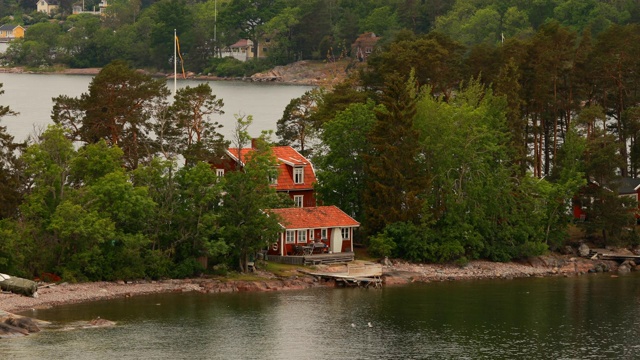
394 181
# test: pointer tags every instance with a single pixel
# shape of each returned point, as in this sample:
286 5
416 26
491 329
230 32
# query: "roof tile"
314 217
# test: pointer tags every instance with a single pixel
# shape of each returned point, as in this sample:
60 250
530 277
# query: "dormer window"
298 175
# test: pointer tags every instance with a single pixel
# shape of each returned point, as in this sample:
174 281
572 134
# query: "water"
31 95
590 317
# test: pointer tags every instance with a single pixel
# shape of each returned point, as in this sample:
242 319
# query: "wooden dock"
604 254
363 274
314 259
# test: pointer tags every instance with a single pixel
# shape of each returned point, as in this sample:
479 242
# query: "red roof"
240 43
314 217
288 158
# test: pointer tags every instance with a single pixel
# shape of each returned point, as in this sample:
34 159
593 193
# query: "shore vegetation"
470 131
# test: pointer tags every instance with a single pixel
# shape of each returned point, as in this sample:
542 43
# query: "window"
298 200
345 233
323 234
220 172
291 236
298 175
311 234
302 236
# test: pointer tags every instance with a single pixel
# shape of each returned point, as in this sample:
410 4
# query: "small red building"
326 228
296 175
627 187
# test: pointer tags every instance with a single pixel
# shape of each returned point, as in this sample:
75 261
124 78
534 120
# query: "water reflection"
557 318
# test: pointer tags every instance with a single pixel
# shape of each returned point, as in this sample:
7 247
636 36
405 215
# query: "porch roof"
314 217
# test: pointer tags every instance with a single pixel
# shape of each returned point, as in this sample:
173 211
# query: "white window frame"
345 233
290 236
323 233
311 234
302 236
219 172
298 175
298 200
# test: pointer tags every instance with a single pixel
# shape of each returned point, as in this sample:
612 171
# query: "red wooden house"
296 175
322 229
627 187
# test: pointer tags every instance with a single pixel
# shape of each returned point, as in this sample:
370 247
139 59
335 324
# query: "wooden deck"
362 274
604 254
315 259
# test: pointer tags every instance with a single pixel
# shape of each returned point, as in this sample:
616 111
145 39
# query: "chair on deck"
297 250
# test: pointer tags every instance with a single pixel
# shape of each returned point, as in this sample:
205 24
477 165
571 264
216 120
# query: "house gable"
9 31
296 175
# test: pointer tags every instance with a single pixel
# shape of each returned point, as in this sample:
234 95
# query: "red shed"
314 229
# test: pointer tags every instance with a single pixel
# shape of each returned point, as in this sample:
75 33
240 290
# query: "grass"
280 270
361 253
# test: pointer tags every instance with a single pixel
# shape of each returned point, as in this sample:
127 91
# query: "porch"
313 259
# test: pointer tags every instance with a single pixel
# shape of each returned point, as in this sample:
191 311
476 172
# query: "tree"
246 227
296 127
394 183
436 59
250 17
118 108
340 171
169 16
608 214
193 133
11 182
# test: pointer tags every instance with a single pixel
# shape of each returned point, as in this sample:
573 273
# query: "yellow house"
48 6
10 32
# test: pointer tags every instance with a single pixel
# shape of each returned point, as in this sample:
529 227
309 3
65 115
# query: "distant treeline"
141 32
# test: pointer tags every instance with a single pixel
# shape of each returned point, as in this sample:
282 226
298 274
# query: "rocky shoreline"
394 273
298 73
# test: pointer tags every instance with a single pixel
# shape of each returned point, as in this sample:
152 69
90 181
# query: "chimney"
254 143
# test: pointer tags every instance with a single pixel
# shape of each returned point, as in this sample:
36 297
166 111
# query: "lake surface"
31 95
588 317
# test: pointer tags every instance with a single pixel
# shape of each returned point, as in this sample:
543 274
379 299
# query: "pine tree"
394 182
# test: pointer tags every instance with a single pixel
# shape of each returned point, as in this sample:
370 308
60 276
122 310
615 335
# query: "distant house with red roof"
364 45
243 49
296 175
322 229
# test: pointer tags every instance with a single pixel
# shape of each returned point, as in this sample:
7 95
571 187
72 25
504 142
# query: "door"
336 240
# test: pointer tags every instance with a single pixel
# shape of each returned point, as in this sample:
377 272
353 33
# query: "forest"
470 132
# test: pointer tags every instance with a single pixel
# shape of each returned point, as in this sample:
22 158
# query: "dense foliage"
104 196
141 32
468 133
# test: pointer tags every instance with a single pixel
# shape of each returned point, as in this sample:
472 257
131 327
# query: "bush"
381 245
187 268
230 67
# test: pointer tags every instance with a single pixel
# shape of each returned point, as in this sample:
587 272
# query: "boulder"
23 323
623 269
99 322
569 250
8 331
600 268
584 250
